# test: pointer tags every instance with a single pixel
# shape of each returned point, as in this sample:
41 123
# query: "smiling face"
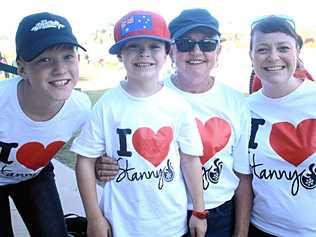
143 59
274 57
53 74
196 63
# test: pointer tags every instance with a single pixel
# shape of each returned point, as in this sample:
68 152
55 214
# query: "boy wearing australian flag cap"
152 134
40 113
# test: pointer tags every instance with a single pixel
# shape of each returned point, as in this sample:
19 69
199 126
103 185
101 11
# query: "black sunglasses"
187 45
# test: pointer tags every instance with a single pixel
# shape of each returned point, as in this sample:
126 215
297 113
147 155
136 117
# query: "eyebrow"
279 42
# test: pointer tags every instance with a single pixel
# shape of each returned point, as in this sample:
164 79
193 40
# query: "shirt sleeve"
189 139
240 152
91 140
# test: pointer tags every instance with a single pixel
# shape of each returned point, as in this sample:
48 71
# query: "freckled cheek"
257 60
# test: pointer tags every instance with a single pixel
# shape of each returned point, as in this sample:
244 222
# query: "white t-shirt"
224 125
148 195
282 154
27 146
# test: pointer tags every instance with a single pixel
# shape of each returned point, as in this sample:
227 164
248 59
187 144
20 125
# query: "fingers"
108 165
106 160
109 168
197 227
105 175
106 168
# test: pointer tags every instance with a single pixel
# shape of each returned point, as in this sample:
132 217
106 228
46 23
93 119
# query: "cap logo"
135 23
45 24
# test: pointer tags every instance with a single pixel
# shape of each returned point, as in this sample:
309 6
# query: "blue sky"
85 16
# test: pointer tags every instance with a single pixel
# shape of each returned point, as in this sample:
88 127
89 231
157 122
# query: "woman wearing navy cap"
222 118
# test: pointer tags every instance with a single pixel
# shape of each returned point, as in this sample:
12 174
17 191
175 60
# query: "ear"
172 53
298 52
20 67
250 55
300 64
119 57
219 49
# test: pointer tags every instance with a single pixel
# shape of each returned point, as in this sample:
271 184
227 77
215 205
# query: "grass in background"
64 155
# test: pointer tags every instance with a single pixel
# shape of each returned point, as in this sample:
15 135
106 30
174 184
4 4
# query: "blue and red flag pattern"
135 23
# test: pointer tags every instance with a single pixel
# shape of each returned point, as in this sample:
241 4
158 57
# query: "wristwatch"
200 214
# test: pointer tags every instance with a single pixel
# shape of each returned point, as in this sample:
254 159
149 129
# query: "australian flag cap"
139 24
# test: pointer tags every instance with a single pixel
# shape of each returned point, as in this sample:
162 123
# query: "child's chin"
62 95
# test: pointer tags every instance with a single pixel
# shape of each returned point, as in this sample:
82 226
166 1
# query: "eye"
155 46
188 41
284 49
43 60
131 47
185 41
262 50
69 56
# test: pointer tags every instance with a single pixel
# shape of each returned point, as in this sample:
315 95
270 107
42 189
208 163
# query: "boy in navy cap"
40 113
151 133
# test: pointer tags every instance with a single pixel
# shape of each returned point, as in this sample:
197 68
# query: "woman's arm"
192 171
243 205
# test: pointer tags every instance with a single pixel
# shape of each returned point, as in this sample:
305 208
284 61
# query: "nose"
59 67
274 54
144 52
196 48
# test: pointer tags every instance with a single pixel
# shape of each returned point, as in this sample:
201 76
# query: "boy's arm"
192 172
85 173
243 205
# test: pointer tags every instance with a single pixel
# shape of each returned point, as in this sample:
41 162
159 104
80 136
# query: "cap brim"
188 28
44 44
117 47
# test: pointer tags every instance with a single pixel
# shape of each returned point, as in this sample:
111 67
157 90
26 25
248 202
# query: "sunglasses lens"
207 45
187 45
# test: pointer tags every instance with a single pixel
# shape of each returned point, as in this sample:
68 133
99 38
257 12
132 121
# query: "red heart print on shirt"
215 134
294 144
34 155
153 147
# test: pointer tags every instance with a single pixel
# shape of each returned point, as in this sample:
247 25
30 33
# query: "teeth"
275 68
195 61
143 64
59 83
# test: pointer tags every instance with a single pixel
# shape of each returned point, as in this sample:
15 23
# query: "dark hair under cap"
272 24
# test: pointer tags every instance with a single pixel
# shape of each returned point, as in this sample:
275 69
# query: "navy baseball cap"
40 31
190 19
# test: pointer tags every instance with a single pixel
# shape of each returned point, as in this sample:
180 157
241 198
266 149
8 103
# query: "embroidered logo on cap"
135 23
45 24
